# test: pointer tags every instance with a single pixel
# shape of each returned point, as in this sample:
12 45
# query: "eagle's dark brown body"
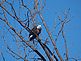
36 30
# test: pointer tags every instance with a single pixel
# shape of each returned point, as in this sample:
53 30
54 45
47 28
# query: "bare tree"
19 17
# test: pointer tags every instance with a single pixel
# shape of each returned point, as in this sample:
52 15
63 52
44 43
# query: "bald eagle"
37 30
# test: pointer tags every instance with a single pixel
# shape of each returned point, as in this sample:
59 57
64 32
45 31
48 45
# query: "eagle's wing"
33 30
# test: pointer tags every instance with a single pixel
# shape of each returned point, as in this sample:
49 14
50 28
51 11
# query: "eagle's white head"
39 27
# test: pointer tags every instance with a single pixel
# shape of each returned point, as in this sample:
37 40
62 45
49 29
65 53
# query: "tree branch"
54 44
35 50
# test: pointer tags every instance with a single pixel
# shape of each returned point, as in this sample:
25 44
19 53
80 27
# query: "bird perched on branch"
36 30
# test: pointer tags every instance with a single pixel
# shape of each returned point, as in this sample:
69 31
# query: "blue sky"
72 30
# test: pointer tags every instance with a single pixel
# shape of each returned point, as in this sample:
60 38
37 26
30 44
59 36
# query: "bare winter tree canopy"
22 19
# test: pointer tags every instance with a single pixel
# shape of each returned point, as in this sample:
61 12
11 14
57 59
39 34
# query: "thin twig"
3 57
